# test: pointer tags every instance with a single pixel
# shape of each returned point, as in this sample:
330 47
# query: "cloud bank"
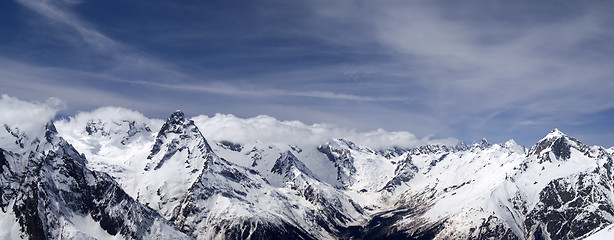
76 124
264 129
270 130
25 116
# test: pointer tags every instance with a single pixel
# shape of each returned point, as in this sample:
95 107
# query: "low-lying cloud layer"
29 117
109 115
262 128
270 130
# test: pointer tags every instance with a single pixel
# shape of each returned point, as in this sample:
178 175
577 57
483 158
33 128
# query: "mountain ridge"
338 189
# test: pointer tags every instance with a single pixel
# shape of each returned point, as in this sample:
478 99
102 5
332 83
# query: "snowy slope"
603 234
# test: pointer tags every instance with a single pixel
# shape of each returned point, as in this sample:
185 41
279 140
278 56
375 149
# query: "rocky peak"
513 146
482 144
50 131
175 123
285 164
554 133
176 135
557 143
176 117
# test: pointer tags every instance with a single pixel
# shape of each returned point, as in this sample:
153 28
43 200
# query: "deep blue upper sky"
470 69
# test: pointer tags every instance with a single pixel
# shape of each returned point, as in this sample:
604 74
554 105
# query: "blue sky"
470 69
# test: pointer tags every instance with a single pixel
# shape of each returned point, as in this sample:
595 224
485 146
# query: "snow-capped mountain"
169 178
207 196
559 189
47 192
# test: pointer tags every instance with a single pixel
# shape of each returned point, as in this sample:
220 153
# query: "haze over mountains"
114 173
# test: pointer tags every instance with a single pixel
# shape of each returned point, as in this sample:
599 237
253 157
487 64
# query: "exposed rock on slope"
51 194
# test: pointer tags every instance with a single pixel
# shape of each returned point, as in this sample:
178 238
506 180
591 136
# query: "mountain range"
125 176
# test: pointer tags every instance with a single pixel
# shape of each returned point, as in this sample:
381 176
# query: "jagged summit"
555 133
287 164
557 143
175 123
512 145
482 144
178 156
177 135
176 117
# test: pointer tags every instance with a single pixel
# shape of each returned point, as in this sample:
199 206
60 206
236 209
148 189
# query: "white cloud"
73 128
484 68
270 130
262 128
51 10
130 65
108 115
225 89
476 67
28 117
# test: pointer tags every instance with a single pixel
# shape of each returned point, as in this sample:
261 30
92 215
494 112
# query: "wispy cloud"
469 70
265 93
494 69
545 67
134 67
57 13
39 83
